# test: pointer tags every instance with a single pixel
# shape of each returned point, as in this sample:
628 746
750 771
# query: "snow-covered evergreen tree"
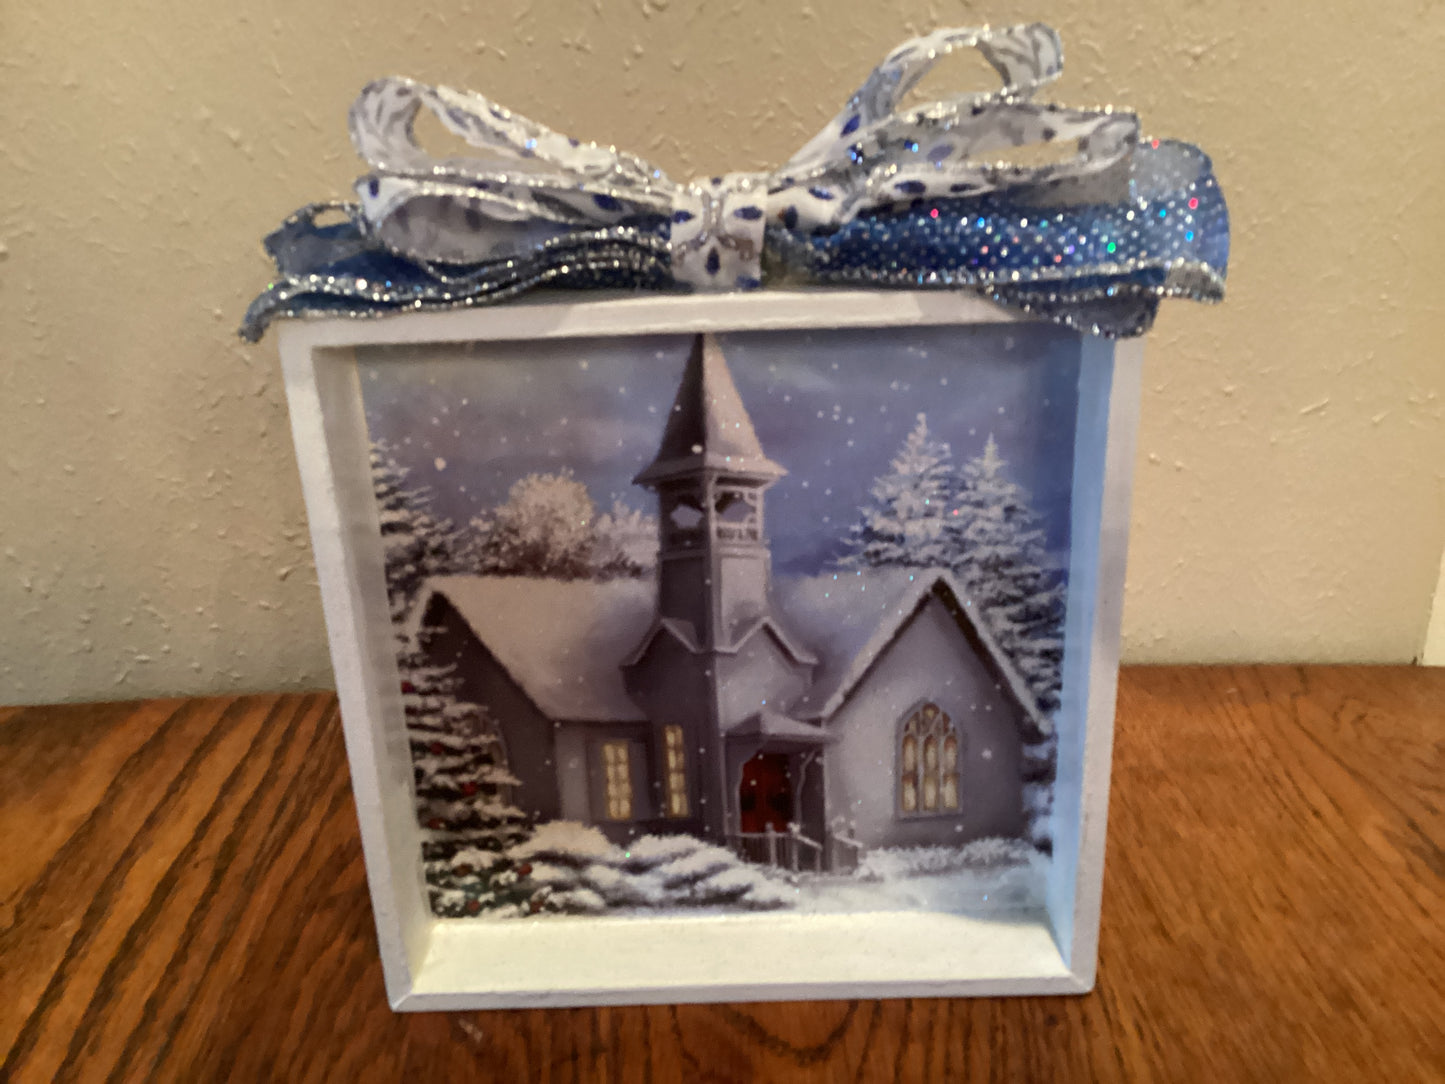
905 519
463 787
1002 563
416 543
1039 764
977 522
462 784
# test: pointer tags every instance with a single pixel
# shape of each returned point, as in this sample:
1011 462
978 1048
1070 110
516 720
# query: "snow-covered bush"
574 869
893 863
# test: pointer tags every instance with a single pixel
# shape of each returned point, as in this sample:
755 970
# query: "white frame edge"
431 963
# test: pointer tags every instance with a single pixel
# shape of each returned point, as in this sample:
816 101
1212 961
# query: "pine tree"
461 781
415 543
1000 559
904 521
463 787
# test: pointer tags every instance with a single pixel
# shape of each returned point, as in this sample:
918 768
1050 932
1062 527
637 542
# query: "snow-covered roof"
565 642
774 724
708 426
848 618
562 641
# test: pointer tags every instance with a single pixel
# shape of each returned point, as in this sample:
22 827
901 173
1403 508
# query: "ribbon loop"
1025 57
872 156
528 181
884 194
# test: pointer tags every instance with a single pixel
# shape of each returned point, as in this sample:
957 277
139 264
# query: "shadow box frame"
435 963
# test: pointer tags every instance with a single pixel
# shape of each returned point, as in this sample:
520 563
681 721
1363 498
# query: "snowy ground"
572 869
1004 890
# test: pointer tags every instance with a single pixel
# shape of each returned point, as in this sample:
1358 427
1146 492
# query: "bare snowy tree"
548 526
543 528
624 543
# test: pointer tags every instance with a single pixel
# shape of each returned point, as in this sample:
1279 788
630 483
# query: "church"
868 706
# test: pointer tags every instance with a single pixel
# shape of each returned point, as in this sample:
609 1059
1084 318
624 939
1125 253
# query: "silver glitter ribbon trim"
852 205
527 181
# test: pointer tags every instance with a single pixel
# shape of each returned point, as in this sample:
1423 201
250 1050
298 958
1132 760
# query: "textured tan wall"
152 537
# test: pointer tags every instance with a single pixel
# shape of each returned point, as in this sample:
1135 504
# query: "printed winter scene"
730 623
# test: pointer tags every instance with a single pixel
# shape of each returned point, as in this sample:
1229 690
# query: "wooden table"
182 899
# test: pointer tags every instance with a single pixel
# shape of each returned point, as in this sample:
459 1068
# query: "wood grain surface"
182 899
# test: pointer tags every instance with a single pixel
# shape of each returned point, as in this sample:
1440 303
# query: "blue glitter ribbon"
878 198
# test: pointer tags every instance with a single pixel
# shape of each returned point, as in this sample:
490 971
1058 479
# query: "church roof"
565 642
562 642
775 727
686 635
708 427
849 618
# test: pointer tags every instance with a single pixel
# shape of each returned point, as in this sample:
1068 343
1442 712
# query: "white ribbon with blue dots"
527 184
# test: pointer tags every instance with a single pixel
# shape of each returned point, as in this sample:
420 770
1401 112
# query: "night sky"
833 407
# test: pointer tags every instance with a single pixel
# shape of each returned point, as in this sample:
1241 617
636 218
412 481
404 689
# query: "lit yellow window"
617 764
676 771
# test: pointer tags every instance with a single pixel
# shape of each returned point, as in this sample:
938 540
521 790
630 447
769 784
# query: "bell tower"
715 653
709 476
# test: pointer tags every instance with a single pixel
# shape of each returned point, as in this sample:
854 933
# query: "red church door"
765 798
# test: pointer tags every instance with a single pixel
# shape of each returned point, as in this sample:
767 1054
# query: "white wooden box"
673 955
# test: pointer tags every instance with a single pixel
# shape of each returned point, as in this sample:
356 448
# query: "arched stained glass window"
910 769
928 763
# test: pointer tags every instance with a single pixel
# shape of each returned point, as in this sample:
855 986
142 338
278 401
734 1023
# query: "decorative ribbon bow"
881 197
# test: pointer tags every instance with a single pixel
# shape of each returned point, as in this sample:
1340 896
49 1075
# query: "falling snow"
504 416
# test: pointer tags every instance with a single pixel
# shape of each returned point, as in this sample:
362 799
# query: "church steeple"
709 427
709 475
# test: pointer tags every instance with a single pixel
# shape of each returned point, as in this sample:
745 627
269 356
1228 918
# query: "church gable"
659 675
851 619
763 673
929 669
